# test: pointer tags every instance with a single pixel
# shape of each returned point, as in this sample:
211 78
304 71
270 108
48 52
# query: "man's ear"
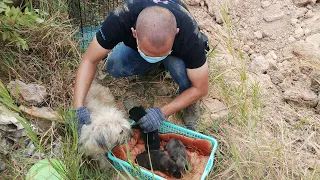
178 30
134 33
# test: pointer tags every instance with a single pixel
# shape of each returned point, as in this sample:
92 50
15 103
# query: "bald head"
157 26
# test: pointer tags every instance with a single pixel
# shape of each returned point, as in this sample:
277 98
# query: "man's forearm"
84 78
185 99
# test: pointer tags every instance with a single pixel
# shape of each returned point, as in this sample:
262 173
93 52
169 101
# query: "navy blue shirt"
188 44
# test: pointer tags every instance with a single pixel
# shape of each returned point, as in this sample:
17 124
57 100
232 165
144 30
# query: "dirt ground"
265 71
280 42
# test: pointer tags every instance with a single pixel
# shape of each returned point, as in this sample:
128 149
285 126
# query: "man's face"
145 46
147 49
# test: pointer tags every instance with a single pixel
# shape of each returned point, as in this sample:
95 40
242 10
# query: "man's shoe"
191 116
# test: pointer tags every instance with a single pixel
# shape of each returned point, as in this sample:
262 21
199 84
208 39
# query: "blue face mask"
152 59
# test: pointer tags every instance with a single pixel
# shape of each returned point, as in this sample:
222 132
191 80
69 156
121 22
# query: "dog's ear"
101 141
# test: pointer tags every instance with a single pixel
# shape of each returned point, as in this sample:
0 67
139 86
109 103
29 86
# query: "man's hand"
199 78
82 117
152 120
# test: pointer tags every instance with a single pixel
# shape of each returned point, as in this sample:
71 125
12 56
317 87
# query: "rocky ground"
280 40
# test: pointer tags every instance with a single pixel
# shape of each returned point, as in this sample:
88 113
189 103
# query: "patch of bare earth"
280 45
271 132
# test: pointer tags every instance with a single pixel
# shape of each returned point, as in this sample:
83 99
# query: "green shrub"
13 20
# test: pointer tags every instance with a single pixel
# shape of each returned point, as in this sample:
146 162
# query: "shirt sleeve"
194 54
115 27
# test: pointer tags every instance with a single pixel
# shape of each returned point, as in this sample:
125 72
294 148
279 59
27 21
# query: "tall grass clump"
40 47
62 136
239 154
252 145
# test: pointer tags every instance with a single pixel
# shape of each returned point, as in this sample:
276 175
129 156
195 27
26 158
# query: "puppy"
108 127
151 139
159 160
177 151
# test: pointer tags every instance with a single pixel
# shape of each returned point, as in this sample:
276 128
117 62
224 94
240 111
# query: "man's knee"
178 71
114 67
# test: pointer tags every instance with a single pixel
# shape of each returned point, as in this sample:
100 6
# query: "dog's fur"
151 139
109 126
177 151
159 160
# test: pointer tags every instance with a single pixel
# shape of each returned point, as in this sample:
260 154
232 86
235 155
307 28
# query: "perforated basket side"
143 174
165 128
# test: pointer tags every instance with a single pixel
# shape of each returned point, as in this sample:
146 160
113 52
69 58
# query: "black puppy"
151 139
177 151
159 160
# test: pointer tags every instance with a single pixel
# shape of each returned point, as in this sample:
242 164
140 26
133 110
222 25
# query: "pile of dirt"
280 40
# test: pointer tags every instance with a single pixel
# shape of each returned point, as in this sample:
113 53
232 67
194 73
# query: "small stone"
306 70
315 81
302 97
304 49
309 6
270 17
138 88
300 12
32 94
264 81
276 77
29 150
307 31
202 3
214 117
259 64
272 64
317 110
41 113
258 34
246 48
57 148
217 108
193 2
298 32
7 119
309 14
314 40
251 44
162 90
291 39
294 21
272 55
301 3
2 166
265 4
38 155
265 34
215 11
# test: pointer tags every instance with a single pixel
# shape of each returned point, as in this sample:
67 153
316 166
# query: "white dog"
109 126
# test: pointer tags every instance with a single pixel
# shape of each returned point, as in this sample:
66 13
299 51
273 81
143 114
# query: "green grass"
76 166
